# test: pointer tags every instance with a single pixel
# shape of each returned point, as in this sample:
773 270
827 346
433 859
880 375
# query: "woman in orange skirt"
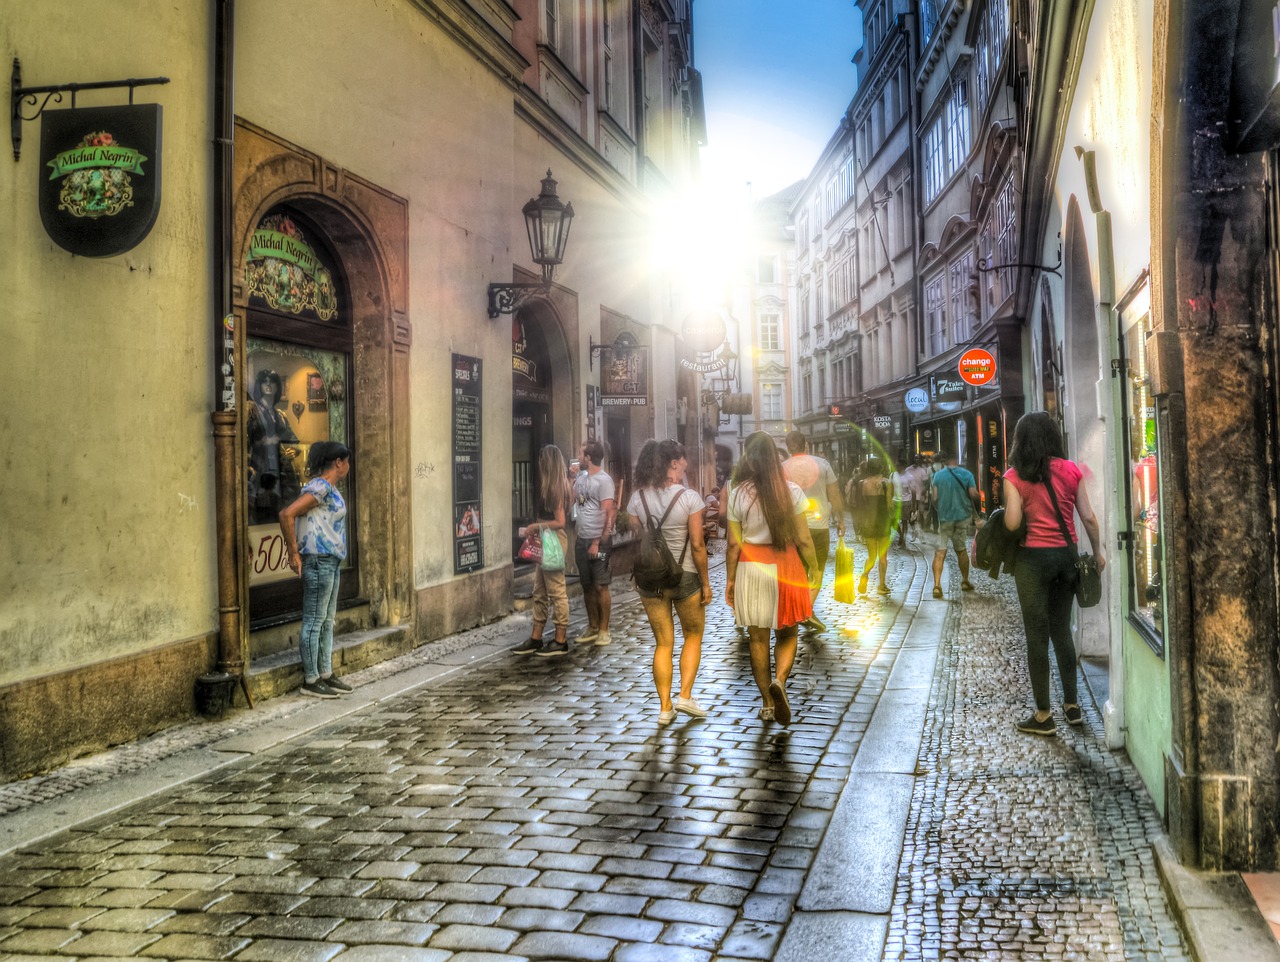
768 567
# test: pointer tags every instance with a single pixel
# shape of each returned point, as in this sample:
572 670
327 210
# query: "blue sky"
776 77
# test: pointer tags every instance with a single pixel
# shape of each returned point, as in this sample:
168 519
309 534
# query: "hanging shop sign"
916 400
468 540
947 389
625 377
977 367
703 332
100 177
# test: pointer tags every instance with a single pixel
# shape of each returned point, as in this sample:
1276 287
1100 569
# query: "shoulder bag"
1088 577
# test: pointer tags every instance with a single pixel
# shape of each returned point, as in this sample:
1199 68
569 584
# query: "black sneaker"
553 648
1033 726
531 646
337 684
318 689
1073 714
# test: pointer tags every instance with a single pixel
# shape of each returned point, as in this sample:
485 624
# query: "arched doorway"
531 416
345 360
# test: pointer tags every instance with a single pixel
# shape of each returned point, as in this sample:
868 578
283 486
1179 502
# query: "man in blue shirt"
955 493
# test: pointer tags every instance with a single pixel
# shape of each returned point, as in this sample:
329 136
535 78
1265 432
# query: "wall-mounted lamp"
547 219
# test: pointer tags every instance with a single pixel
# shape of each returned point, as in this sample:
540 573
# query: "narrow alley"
466 804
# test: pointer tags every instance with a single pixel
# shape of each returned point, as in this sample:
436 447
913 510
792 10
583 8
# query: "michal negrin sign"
99 191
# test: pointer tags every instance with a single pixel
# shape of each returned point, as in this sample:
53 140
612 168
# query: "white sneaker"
591 634
690 707
602 638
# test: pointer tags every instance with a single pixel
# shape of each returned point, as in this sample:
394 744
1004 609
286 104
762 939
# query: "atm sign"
977 367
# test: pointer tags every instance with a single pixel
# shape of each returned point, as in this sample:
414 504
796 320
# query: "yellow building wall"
106 542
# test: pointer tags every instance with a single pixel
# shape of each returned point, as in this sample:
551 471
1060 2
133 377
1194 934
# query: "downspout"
1107 389
917 222
637 72
227 357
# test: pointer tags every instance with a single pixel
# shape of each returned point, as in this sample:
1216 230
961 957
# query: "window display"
1146 583
297 400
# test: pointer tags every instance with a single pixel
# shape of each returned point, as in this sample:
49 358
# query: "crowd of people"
777 515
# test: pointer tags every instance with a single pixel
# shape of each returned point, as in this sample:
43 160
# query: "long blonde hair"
553 474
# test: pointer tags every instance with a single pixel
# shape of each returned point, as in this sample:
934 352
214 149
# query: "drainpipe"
915 339
1113 710
226 416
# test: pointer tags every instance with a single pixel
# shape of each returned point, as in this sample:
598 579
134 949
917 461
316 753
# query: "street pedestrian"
550 596
1044 571
815 476
659 486
876 506
593 493
314 530
954 493
769 552
918 489
902 502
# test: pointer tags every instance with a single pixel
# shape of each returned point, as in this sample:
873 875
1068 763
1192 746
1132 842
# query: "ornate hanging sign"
100 177
285 272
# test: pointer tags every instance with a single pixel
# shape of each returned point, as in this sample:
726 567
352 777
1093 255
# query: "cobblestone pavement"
1022 847
531 808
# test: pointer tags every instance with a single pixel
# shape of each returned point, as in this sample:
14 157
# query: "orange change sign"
977 366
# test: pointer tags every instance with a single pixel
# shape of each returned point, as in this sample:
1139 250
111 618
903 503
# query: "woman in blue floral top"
314 529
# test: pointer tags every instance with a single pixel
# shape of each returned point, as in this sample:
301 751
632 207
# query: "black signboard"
468 542
100 177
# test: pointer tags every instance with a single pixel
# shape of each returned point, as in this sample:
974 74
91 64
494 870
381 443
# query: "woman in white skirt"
769 567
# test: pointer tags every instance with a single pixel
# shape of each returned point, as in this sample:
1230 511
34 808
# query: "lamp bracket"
18 95
509 298
984 267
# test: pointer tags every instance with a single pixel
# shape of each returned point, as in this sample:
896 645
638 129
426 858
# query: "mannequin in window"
273 482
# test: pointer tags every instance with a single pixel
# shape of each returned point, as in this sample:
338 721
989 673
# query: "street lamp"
547 219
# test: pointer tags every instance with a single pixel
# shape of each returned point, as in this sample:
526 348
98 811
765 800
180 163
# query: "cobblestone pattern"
529 808
1022 847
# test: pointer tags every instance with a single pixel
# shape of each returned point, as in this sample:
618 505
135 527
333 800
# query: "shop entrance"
531 419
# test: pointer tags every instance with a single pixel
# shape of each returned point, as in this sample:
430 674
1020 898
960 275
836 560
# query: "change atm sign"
977 367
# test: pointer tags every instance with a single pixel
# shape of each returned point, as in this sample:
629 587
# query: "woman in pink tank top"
1045 571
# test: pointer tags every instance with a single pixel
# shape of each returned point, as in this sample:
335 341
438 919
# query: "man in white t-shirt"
593 494
814 475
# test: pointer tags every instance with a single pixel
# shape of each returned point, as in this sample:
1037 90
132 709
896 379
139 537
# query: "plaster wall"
402 105
105 438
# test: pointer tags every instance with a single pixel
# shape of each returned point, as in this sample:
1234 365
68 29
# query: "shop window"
297 354
1142 481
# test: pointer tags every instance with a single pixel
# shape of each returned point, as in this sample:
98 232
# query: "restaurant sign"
100 177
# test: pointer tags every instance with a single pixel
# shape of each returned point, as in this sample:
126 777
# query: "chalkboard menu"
468 543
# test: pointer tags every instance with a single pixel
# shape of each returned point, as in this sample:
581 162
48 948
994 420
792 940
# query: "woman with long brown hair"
550 596
769 553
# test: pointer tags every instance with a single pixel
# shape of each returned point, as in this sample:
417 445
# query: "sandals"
937 592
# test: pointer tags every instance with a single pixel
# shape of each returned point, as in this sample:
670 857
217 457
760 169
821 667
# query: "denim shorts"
689 584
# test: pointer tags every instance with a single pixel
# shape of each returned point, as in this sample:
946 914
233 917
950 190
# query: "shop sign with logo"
100 177
977 367
625 378
917 400
882 422
947 388
284 271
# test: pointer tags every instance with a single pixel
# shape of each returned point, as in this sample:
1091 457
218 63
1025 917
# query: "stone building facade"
338 194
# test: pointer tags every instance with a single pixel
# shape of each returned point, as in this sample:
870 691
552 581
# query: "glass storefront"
298 366
1141 475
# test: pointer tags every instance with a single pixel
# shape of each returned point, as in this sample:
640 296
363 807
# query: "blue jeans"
320 582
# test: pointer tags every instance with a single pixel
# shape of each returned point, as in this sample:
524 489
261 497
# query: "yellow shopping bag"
844 572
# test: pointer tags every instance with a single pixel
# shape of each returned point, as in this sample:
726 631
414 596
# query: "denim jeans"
320 582
1046 579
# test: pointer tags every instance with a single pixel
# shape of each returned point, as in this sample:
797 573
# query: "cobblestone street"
532 808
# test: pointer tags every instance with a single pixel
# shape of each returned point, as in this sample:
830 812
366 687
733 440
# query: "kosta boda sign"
99 169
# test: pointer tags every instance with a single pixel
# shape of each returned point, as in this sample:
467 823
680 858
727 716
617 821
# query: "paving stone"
480 938
564 945
194 947
383 933
119 945
282 950
401 953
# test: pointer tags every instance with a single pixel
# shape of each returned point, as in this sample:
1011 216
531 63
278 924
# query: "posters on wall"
468 541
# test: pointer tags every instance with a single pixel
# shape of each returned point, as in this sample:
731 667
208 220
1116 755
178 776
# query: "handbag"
1088 576
552 553
844 573
531 550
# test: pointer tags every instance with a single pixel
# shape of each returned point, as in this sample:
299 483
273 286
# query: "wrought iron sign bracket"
509 298
18 95
985 268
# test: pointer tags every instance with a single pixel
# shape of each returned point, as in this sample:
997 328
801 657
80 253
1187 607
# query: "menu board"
468 542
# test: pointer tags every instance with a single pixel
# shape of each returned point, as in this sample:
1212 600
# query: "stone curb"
1218 916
